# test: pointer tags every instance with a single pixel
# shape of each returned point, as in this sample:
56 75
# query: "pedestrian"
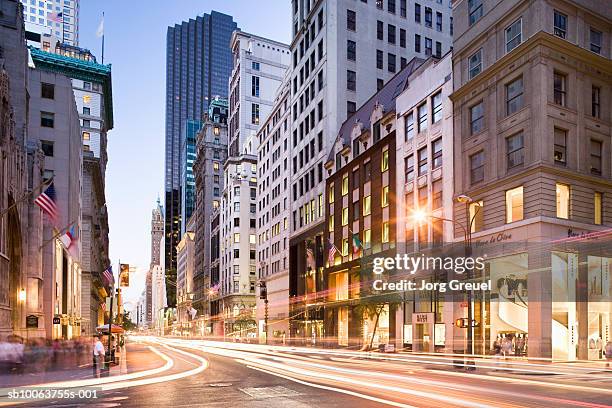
608 352
98 356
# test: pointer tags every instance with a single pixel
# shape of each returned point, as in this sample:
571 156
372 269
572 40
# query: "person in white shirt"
98 356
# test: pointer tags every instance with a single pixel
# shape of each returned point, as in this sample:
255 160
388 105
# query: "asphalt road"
214 374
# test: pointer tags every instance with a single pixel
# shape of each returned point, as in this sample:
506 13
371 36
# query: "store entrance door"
423 332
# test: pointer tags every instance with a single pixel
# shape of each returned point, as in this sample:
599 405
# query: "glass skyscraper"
188 151
198 67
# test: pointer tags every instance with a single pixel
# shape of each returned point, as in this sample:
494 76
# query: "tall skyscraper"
188 155
157 235
198 67
58 18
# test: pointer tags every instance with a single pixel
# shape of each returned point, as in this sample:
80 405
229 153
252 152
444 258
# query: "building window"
255 66
236 237
351 20
598 203
345 184
403 8
438 49
514 204
436 109
422 156
428 46
476 212
367 205
402 38
428 17
423 196
513 35
436 199
86 136
47 148
422 116
514 96
436 148
515 150
475 64
560 24
560 88
367 172
391 62
351 50
86 110
477 167
379 59
384 163
409 164
417 13
391 6
331 222
477 118
47 119
351 80
409 123
380 30
351 107
596 102
385 232
595 38
380 83
255 86
47 91
345 247
255 114
385 196
560 149
345 216
563 200
215 165
356 208
474 10
391 34
417 43
438 21
596 153
367 239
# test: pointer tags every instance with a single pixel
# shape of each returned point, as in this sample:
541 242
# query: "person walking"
98 356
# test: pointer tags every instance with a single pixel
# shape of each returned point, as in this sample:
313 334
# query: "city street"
216 374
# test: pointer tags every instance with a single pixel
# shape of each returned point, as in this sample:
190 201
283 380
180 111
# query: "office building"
157 236
188 155
57 18
198 67
185 252
273 179
532 152
342 53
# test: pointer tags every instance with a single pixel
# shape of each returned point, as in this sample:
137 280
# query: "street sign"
32 322
56 320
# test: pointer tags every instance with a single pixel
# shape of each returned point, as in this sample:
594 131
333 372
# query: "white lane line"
340 390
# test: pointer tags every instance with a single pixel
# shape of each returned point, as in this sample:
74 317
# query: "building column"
539 286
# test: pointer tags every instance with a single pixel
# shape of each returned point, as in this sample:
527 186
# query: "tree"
127 323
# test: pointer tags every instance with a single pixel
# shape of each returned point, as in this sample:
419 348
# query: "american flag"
56 17
108 276
331 256
47 202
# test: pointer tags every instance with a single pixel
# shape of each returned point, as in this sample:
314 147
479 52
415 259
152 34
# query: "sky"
135 44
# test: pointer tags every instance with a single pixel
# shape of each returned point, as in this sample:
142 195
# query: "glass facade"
198 67
188 156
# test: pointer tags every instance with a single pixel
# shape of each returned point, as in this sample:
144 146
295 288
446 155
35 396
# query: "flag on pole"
108 276
124 275
357 245
100 31
68 237
331 255
56 17
310 258
47 203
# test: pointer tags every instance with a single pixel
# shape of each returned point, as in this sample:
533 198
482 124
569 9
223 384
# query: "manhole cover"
220 385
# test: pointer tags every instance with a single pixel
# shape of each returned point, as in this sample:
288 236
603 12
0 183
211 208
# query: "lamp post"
263 294
467 246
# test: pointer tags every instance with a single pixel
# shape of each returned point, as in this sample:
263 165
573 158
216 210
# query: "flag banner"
357 245
100 31
108 276
124 275
56 17
69 237
331 255
310 257
47 202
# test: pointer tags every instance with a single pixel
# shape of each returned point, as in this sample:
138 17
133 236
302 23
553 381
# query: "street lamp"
21 296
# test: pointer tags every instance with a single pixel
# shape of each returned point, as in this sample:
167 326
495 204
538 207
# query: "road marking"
269 392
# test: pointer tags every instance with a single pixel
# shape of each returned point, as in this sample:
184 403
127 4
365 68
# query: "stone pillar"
539 289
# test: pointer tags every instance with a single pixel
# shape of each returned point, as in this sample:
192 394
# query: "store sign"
501 237
56 320
32 322
422 318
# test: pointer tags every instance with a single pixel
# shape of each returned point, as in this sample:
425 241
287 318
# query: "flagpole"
24 197
60 232
103 38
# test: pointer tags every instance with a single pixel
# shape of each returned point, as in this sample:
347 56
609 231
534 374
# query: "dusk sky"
135 44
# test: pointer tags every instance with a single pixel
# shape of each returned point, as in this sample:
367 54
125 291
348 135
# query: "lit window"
86 136
215 165
514 204
385 196
367 201
345 247
236 237
331 223
598 201
367 239
86 98
385 161
385 232
476 211
330 193
563 200
345 216
252 239
345 184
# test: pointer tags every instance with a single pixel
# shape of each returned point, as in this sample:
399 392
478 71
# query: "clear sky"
135 44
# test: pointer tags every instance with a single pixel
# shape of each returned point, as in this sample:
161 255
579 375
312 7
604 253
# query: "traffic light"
263 291
462 322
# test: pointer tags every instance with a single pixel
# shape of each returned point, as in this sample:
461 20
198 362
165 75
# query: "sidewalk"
138 357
